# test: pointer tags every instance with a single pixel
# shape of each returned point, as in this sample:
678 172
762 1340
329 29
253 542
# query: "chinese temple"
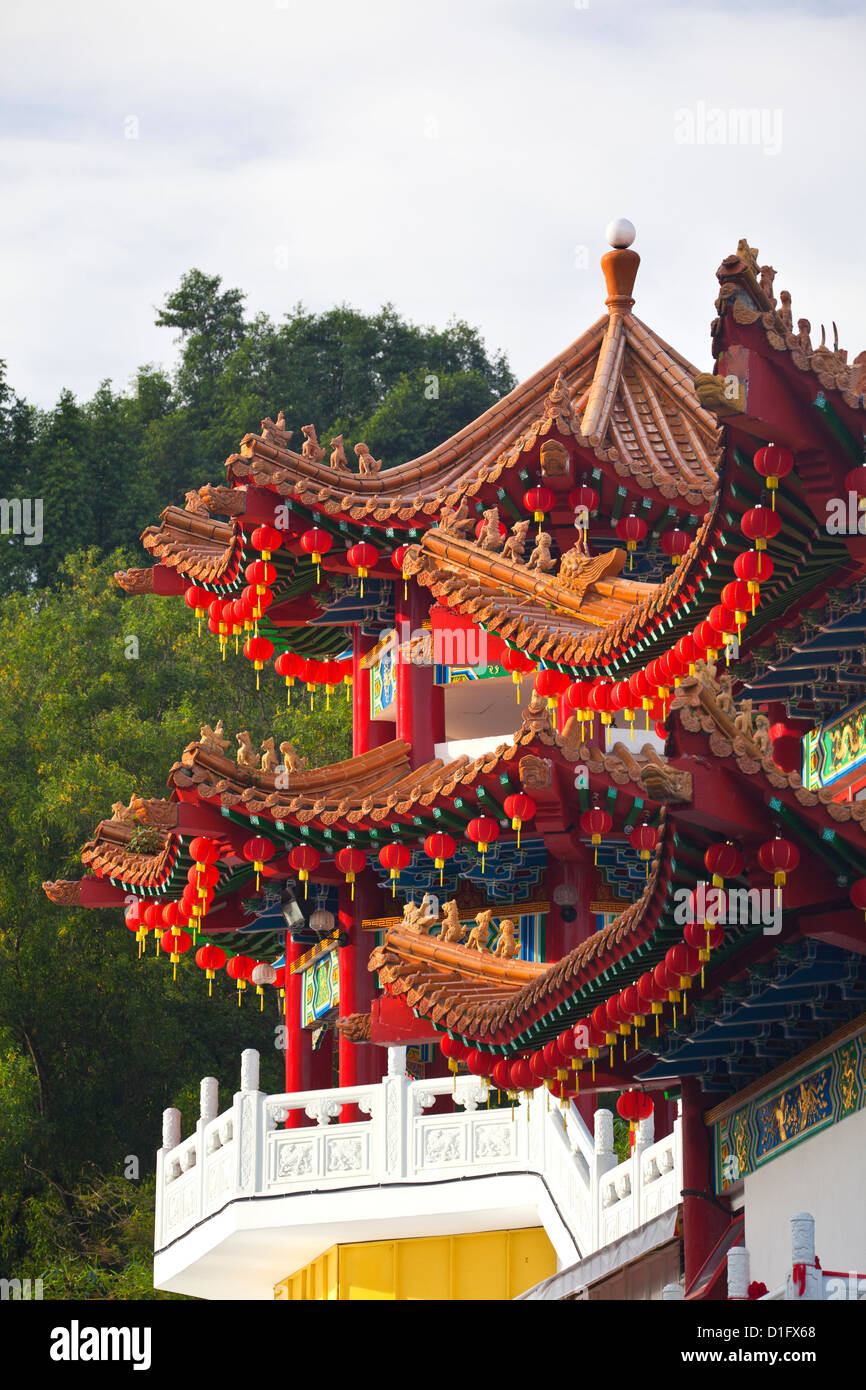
600 846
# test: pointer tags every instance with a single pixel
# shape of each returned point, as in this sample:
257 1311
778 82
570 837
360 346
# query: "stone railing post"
644 1136
672 1292
209 1098
603 1160
249 1127
170 1140
392 1118
804 1281
738 1272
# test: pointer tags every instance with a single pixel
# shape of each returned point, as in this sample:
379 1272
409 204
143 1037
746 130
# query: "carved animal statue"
366 462
290 757
195 504
311 448
339 462
128 815
784 311
767 276
212 740
420 919
761 736
270 761
507 943
277 429
455 521
490 537
803 335
515 544
246 754
452 928
541 558
743 720
536 716
477 938
706 673
749 254
725 697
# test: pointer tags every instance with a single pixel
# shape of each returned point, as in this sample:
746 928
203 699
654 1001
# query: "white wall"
826 1176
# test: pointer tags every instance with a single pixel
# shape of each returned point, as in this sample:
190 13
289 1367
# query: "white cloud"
449 157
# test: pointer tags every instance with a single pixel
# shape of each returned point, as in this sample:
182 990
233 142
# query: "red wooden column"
296 1040
360 1063
366 734
703 1220
420 702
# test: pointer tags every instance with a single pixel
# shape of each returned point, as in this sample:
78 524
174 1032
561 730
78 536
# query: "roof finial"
620 265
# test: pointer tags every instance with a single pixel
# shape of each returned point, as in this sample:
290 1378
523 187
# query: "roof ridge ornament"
620 265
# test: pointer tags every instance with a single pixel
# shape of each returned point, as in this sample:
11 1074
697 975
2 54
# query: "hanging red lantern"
601 700
652 993
255 603
204 850
519 665
779 858
394 858
362 557
304 859
755 568
721 620
707 638
256 851
600 1019
541 1067
239 969
523 1078
329 674
290 665
350 861
644 839
199 601
538 500
175 945
723 861
439 847
683 961
577 695
633 1007
634 1106
267 539
260 574
631 530
642 691
479 1063
672 668
675 543
482 831
519 808
454 1051
258 650
704 938
688 652
737 597
855 481
551 685
773 463
595 822
316 542
397 558
583 501
761 524
210 959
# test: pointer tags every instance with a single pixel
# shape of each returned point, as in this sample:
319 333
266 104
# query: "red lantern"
683 960
210 959
362 557
394 858
266 539
541 1067
600 1019
523 1078
634 1106
439 847
199 601
479 1063
538 500
519 808
601 700
258 650
551 685
482 831
756 568
721 620
304 859
316 542
632 530
595 822
652 993
175 944
583 501
256 851
723 861
290 665
260 574
644 839
737 597
761 524
779 858
204 850
239 969
642 691
519 665
350 861
773 463
500 1075
707 638
675 544
688 652
454 1051
577 696
397 558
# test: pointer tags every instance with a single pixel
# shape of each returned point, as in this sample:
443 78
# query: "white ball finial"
620 233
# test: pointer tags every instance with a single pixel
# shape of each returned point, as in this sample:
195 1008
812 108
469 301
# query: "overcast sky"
453 156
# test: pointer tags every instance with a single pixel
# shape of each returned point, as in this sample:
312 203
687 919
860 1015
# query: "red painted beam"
393 1024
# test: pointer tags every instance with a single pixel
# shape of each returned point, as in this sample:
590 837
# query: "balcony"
246 1201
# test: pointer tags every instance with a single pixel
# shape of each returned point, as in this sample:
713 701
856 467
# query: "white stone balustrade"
586 1198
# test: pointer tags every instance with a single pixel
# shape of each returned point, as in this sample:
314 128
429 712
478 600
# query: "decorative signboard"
321 990
835 749
383 683
820 1095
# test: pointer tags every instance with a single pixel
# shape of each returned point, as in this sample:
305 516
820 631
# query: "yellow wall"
488 1265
